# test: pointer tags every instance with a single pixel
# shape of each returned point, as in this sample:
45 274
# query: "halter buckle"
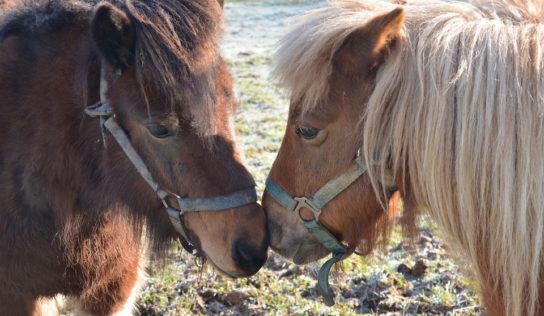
99 109
304 202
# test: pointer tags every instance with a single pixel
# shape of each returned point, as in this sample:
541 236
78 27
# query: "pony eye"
307 132
158 130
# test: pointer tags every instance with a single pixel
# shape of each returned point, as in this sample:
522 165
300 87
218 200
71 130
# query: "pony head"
172 95
331 75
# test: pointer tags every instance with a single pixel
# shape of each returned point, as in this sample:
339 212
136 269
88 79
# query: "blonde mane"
459 105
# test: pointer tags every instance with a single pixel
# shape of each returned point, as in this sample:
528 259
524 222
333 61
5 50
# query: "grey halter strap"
103 110
316 203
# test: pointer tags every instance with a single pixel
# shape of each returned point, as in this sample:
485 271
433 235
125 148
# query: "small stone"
419 268
358 280
423 240
433 255
255 283
287 273
307 293
404 269
207 296
182 288
353 303
408 293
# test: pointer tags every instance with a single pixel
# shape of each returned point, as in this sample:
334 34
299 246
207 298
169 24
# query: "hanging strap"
316 203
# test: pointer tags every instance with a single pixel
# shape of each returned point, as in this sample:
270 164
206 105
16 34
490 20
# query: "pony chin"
303 252
309 252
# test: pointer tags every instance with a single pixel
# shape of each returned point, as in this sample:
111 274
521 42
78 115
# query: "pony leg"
130 303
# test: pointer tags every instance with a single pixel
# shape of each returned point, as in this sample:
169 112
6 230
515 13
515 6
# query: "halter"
104 111
316 203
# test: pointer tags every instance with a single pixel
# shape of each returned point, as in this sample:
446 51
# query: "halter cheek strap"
108 123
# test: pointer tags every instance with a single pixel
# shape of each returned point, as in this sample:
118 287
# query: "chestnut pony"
443 99
81 196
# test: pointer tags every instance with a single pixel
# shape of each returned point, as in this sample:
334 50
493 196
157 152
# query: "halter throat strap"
104 111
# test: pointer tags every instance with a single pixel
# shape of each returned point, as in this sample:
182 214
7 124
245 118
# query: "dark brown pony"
75 214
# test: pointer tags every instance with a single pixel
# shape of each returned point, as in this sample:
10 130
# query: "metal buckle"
304 202
99 109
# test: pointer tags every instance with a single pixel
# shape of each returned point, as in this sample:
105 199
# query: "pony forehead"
176 50
303 58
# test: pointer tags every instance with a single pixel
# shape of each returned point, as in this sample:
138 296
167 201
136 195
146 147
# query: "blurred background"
405 278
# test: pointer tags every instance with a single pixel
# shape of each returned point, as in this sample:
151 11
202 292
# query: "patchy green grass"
407 278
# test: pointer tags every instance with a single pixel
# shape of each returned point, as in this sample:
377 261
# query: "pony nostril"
244 252
247 257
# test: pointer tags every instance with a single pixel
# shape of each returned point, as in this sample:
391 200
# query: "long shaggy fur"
459 106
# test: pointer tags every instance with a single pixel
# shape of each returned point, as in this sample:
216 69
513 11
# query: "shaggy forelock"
314 37
177 51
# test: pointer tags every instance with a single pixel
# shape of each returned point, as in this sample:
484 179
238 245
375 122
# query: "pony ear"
367 47
113 35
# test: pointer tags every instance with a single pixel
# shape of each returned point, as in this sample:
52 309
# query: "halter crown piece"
104 111
316 203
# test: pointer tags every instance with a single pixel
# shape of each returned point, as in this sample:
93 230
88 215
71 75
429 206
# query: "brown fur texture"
74 211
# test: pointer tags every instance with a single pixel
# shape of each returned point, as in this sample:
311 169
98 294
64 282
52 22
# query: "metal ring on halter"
304 202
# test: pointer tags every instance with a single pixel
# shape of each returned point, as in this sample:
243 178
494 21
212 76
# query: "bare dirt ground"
404 279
